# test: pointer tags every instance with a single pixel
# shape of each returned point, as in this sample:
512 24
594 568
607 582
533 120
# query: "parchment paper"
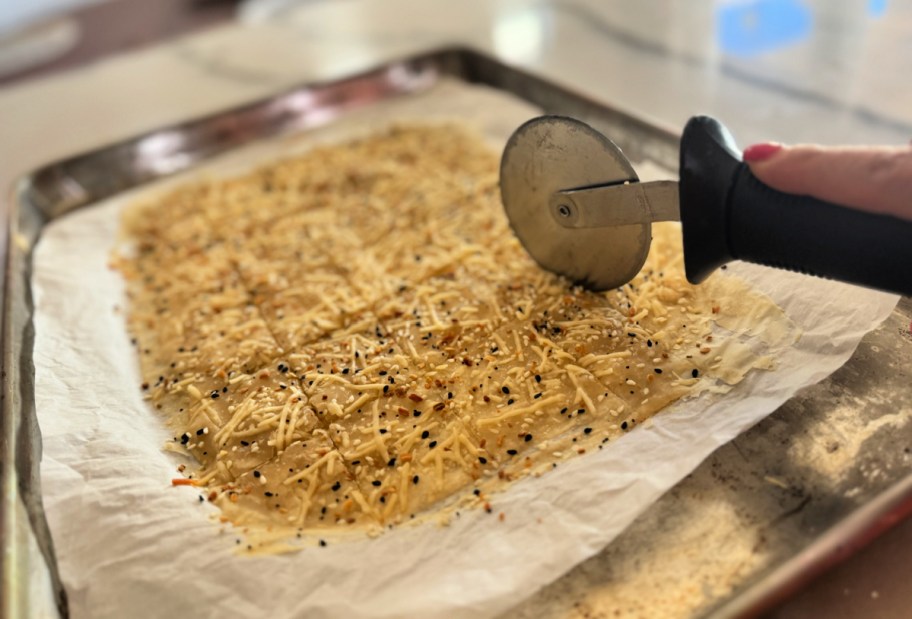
129 544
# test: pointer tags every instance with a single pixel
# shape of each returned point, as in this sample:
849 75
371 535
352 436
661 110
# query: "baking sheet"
126 540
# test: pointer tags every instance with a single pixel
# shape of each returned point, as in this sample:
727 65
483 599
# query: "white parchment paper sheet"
129 544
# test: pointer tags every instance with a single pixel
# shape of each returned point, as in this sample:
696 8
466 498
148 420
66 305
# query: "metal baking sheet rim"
30 581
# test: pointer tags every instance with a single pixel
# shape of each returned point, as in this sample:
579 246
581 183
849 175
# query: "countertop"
837 74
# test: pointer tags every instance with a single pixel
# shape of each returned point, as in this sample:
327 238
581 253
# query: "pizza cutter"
577 206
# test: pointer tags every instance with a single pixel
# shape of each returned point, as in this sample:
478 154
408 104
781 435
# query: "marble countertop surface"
839 73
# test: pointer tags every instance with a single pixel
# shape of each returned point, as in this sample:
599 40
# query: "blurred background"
38 37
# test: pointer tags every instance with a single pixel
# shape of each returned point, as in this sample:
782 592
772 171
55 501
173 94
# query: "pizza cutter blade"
577 206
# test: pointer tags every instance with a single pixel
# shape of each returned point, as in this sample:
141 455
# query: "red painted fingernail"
761 152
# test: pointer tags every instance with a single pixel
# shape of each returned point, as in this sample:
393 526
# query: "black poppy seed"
658 370
587 430
536 396
512 452
510 401
482 459
185 438
214 395
257 474
245 443
392 462
563 410
432 444
416 413
538 378
376 482
415 479
527 437
623 425
695 373
336 486
267 493
383 430
506 390
323 542
425 434
345 370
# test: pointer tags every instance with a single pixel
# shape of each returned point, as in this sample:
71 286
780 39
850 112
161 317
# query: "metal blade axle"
616 204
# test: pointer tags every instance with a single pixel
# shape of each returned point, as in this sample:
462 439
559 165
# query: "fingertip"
755 153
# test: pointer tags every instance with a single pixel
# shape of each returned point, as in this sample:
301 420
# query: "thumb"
871 178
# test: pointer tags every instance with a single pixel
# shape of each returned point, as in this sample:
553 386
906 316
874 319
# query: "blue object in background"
876 8
749 27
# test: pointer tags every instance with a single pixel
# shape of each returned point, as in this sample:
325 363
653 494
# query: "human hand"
871 178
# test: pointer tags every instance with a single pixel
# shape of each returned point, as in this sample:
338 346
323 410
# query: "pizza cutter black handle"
727 214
